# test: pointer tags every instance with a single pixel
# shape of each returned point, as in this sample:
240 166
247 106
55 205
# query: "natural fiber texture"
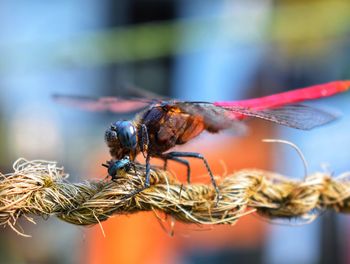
40 188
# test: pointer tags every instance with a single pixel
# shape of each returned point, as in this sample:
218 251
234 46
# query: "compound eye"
127 136
115 125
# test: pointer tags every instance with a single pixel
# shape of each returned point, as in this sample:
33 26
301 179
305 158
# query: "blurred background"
193 50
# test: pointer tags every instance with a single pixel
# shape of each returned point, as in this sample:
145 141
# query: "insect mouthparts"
110 135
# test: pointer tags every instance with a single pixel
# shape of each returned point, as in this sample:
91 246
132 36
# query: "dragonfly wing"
295 116
215 118
103 104
137 92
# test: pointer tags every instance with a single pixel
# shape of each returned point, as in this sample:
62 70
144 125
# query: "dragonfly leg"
166 157
175 154
134 167
147 181
144 139
148 171
133 193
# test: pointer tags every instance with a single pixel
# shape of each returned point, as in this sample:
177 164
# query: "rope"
41 188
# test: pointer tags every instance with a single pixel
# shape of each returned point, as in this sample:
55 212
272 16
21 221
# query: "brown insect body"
167 126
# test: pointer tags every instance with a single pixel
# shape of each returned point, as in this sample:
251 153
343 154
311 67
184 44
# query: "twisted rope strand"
41 188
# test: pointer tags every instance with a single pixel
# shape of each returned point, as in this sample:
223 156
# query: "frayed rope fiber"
40 188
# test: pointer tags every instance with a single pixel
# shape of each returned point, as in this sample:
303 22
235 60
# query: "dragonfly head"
123 131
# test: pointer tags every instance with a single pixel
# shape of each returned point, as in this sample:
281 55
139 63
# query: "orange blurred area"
139 238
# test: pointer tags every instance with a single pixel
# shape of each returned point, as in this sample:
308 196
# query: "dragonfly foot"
137 191
218 197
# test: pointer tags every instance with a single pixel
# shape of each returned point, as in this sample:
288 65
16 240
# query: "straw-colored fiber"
41 188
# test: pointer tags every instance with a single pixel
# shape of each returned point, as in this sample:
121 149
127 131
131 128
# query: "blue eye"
127 134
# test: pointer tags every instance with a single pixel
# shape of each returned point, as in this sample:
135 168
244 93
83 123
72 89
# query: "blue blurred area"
249 48
36 126
325 149
33 126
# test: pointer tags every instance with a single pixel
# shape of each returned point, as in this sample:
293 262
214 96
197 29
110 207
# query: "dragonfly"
161 124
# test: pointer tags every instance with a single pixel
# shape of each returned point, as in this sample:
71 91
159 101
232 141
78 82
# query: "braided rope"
40 188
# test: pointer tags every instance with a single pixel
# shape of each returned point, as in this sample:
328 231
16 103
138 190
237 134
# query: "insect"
114 167
163 124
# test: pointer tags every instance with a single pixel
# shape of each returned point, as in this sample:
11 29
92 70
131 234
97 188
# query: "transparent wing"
136 92
295 116
104 104
133 99
215 118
